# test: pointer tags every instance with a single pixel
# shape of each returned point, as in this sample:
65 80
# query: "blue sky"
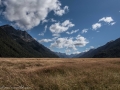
68 26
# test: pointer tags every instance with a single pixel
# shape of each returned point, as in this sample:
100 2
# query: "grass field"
59 74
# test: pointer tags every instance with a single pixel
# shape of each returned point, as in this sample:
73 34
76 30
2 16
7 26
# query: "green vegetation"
109 50
61 74
12 44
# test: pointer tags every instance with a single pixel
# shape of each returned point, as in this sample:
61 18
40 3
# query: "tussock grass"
59 74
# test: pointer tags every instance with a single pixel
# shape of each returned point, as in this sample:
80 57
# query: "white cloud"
58 28
70 43
73 31
112 23
53 20
60 11
87 49
67 51
77 52
42 34
80 41
106 19
64 43
44 21
27 14
45 40
84 31
96 26
56 35
97 31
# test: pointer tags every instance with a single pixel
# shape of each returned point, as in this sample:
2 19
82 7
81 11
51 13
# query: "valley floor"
59 74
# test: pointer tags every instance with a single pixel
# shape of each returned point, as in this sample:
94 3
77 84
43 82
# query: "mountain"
109 50
78 55
17 43
64 55
88 54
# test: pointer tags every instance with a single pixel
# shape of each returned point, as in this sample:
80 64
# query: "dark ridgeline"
109 50
17 43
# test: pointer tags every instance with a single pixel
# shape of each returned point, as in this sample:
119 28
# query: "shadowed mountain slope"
109 50
17 43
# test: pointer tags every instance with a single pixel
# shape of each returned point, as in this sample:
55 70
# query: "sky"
67 26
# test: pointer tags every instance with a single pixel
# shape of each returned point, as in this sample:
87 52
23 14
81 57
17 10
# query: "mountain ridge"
110 50
21 44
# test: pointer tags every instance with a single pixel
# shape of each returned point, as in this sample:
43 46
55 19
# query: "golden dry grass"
59 74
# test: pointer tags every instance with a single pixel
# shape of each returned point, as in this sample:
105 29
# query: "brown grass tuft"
59 74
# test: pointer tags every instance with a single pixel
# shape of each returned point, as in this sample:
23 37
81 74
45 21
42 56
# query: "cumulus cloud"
106 19
96 26
80 41
27 14
73 31
64 43
58 28
45 40
84 31
70 43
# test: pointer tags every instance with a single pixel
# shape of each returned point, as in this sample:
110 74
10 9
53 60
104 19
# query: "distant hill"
78 55
17 43
64 55
109 50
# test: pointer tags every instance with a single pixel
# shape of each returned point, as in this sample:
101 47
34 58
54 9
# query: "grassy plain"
59 74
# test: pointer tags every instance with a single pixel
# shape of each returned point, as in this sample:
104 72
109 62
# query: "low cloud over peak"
70 43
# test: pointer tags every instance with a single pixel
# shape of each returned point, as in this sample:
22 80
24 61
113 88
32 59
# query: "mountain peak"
17 43
17 33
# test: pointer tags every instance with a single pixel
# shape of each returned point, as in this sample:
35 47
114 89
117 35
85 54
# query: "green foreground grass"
59 74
